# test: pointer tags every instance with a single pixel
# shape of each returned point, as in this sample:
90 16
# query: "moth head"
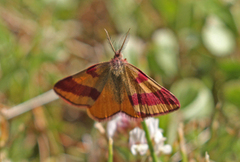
118 52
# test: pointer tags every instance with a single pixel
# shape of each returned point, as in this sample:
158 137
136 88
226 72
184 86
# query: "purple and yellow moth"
113 87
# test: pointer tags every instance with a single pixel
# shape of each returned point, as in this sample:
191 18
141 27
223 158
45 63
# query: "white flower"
119 121
153 128
156 134
166 149
137 141
159 144
141 148
112 126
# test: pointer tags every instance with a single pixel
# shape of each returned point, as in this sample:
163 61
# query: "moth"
108 88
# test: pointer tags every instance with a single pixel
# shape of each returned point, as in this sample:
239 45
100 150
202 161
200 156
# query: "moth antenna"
124 41
110 41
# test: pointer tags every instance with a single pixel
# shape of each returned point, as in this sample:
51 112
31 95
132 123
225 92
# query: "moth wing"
83 88
112 100
147 97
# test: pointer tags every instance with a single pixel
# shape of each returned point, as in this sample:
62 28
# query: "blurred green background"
190 47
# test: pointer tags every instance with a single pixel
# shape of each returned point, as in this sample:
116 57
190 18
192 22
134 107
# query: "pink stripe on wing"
162 96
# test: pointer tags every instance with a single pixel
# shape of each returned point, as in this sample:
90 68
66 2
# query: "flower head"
157 136
112 126
120 121
137 141
153 128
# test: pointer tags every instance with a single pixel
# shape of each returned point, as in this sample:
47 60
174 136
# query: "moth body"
117 63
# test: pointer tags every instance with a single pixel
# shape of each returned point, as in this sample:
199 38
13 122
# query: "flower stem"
110 150
154 157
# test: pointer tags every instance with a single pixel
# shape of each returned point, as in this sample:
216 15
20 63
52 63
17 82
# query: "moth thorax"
116 66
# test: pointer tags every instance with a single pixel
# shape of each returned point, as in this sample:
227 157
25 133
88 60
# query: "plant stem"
182 143
110 150
145 128
40 100
207 159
